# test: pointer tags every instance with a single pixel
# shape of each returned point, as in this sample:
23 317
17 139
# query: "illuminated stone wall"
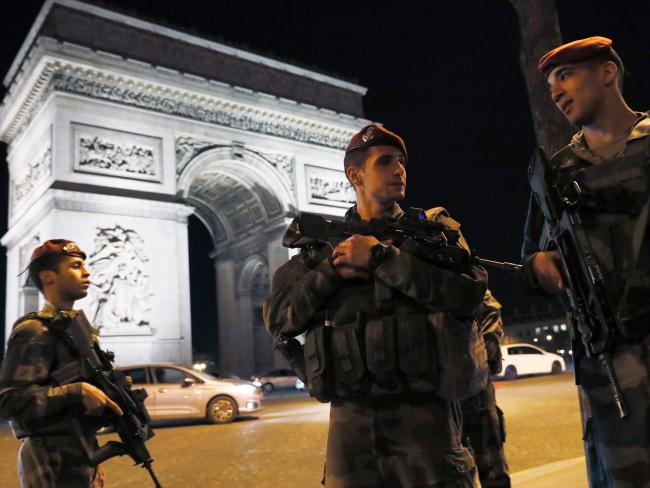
115 153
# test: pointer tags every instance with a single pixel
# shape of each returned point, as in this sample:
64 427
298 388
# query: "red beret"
574 52
376 135
58 246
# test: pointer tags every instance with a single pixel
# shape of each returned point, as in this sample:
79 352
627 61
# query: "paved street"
284 446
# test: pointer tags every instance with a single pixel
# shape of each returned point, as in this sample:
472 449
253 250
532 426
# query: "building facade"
119 129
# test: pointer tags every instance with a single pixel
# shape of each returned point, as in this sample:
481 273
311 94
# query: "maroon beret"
574 52
58 246
376 135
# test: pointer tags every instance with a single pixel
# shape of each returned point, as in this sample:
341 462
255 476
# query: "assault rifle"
429 240
94 366
586 294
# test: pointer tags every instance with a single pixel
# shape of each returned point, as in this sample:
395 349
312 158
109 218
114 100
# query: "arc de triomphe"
120 129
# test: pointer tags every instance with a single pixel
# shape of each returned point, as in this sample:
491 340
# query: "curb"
552 473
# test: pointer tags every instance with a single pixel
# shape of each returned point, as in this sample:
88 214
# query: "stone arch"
243 199
254 277
235 191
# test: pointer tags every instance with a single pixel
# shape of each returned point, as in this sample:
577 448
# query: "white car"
278 379
521 359
176 391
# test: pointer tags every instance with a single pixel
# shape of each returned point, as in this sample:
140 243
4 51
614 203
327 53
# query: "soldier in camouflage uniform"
369 311
483 424
609 159
42 414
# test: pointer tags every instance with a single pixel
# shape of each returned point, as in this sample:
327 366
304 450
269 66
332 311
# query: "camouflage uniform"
39 412
618 450
369 349
483 424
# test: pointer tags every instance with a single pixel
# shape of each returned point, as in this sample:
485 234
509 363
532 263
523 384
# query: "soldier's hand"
348 272
95 400
548 269
354 251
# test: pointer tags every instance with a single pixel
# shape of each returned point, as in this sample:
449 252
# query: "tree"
540 32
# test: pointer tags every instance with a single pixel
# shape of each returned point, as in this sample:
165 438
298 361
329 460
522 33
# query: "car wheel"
221 410
510 373
268 387
556 368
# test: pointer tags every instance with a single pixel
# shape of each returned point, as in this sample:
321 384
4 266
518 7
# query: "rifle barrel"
514 267
153 475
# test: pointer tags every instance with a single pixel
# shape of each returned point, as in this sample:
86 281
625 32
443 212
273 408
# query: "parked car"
521 359
177 391
278 379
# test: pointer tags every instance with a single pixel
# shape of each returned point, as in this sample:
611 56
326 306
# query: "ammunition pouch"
349 367
417 352
318 363
461 356
393 354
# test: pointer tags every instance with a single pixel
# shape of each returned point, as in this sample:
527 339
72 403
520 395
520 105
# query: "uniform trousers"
619 449
484 433
54 462
397 441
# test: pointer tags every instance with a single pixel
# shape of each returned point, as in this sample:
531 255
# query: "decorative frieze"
328 187
116 153
196 107
120 300
39 169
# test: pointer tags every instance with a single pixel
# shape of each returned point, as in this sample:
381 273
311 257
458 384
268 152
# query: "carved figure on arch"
121 300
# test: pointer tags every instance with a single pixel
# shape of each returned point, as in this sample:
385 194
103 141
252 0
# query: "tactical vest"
57 424
372 340
613 199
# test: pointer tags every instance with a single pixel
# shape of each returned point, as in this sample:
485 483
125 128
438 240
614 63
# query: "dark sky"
443 75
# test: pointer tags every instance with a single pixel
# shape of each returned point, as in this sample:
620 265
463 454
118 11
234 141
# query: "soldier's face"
383 175
578 91
71 279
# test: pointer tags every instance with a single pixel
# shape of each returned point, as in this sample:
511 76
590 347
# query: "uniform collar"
641 128
51 310
393 213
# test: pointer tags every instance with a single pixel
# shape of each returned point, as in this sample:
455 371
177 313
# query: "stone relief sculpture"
100 153
329 186
120 296
39 169
104 151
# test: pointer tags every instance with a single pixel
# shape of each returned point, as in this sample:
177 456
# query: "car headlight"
257 383
247 388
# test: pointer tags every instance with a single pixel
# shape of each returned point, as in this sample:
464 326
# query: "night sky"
443 75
